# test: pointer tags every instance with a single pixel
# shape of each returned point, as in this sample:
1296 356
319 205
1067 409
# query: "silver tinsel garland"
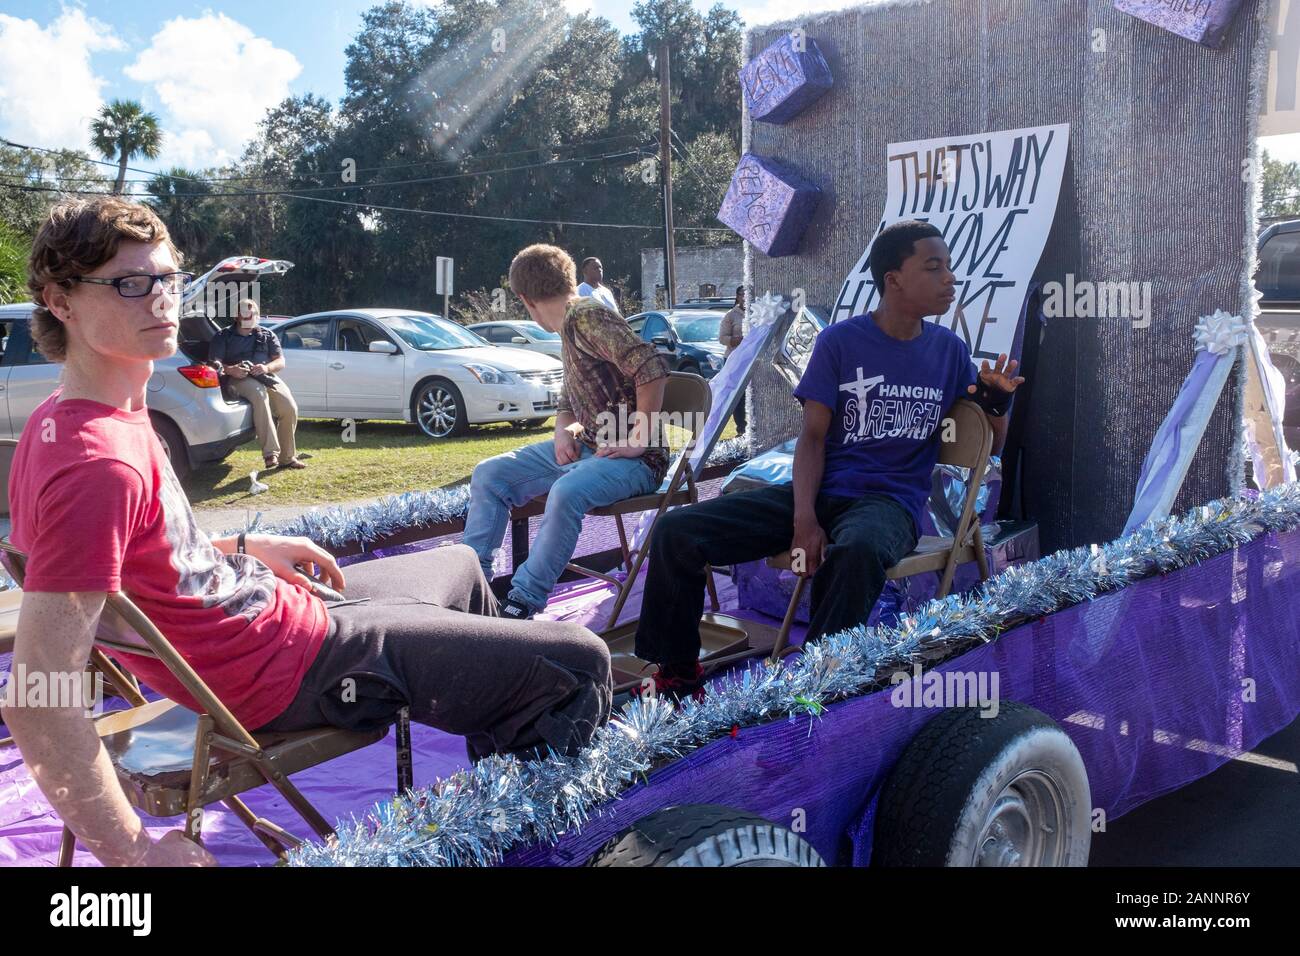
477 815
393 514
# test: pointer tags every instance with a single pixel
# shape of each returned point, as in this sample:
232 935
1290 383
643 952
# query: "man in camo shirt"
605 447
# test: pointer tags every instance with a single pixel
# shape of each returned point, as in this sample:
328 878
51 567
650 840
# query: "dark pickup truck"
1278 281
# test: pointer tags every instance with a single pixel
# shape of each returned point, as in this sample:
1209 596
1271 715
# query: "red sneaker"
677 687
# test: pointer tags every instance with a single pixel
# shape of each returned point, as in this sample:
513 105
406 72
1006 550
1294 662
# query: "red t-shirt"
96 506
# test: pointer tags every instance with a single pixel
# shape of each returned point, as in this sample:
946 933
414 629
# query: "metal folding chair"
687 396
970 448
170 760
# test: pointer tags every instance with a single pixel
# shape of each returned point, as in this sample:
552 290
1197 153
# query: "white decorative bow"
767 310
1220 333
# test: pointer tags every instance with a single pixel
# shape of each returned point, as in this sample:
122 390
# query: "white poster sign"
443 275
1279 112
993 196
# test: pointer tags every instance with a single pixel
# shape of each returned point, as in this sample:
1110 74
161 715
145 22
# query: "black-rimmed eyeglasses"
137 286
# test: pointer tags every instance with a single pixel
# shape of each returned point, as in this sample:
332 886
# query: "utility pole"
666 174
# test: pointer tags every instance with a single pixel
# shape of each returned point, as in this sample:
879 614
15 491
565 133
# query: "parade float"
1138 628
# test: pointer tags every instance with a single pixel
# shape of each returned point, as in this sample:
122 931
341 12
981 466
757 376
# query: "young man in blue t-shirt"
874 395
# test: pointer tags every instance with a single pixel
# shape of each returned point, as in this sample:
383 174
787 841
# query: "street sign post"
445 266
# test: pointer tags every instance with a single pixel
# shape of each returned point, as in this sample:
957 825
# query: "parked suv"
524 335
1278 281
688 339
196 423
716 303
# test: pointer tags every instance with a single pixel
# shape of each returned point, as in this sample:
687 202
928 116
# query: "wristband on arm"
994 401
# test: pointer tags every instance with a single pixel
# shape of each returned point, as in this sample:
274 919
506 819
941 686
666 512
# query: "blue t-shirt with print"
888 398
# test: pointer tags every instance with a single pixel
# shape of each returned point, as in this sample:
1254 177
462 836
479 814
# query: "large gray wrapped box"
1155 191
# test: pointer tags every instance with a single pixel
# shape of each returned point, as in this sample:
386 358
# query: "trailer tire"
706 835
1009 790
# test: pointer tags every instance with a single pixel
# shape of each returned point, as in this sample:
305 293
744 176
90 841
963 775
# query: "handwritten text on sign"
993 196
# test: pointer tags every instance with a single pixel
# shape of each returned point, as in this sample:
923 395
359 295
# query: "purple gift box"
785 79
1205 21
769 205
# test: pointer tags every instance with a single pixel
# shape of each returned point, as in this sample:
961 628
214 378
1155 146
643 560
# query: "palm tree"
176 196
122 130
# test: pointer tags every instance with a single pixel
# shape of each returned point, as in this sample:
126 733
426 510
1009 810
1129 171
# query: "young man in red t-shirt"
97 508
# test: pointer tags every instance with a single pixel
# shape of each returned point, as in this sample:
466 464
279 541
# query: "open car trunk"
212 302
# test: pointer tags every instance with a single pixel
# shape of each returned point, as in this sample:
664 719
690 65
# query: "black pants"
738 415
866 535
425 634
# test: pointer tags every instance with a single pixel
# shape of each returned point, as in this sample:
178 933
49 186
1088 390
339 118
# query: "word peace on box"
769 205
1204 21
785 79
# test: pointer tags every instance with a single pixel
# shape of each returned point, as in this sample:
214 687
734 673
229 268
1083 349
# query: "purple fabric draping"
768 590
1191 408
1270 447
1158 685
1147 681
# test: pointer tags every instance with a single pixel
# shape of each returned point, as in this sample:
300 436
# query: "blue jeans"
519 476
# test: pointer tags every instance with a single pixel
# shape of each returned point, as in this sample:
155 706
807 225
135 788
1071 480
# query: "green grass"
386 458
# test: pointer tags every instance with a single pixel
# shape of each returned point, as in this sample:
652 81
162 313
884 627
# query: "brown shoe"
272 461
296 463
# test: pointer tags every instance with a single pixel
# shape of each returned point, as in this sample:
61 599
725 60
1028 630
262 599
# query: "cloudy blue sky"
211 69
208 69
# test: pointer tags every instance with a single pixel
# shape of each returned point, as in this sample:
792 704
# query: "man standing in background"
731 332
593 284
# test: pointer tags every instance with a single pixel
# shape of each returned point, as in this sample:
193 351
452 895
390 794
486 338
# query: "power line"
397 182
359 205
464 159
423 162
434 162
86 159
542 222
404 209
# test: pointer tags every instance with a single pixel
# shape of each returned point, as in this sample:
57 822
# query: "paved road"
1243 814
221 519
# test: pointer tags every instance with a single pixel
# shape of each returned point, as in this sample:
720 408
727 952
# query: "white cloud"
215 79
1285 147
48 90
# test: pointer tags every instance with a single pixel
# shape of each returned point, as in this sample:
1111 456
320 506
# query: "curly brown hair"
77 237
543 272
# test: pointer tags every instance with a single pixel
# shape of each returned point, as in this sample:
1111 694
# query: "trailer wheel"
706 835
1009 790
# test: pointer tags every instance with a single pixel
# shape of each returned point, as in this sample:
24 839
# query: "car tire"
1288 366
523 423
174 445
438 408
706 835
690 367
1009 790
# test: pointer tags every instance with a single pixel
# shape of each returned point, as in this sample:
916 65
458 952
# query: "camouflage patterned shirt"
604 362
